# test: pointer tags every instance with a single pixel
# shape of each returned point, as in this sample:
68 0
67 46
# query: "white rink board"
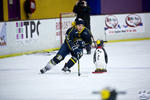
35 35
125 26
97 27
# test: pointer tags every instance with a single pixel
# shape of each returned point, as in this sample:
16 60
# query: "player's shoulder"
70 29
86 31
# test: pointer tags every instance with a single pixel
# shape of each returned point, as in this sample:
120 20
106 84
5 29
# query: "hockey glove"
75 47
78 53
81 44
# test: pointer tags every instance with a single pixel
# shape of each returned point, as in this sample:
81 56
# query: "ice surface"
128 70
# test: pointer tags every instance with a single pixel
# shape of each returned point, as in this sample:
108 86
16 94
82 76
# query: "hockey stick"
78 65
94 40
78 68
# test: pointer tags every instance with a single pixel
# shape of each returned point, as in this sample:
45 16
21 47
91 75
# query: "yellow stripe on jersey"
73 60
68 38
68 44
70 32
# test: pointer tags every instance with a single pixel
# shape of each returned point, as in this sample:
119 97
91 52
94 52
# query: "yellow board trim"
53 49
124 40
31 52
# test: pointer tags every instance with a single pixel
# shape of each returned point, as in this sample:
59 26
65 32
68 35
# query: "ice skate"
46 68
66 69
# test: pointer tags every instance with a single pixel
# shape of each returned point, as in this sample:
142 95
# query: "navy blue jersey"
72 35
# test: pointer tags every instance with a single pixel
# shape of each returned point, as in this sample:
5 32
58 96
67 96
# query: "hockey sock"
71 62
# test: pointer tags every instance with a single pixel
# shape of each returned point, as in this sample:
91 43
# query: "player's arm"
69 39
87 36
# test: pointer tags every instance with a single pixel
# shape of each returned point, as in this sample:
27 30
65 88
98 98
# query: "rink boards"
29 36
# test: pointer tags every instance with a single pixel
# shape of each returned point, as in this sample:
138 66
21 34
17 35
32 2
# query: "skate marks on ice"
14 69
45 53
65 74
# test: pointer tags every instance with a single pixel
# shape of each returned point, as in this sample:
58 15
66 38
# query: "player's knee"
57 59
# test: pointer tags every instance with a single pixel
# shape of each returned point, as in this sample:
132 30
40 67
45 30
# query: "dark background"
118 6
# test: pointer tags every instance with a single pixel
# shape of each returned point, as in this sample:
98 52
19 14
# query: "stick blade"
79 74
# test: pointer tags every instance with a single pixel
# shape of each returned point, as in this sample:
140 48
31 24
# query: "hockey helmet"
100 42
79 21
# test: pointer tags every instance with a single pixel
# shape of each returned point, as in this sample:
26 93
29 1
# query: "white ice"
128 70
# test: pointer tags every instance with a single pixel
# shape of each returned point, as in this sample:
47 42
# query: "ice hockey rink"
128 70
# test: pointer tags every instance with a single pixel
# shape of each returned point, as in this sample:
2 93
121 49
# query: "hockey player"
100 58
75 40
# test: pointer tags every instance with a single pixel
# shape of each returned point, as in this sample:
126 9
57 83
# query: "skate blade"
66 72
